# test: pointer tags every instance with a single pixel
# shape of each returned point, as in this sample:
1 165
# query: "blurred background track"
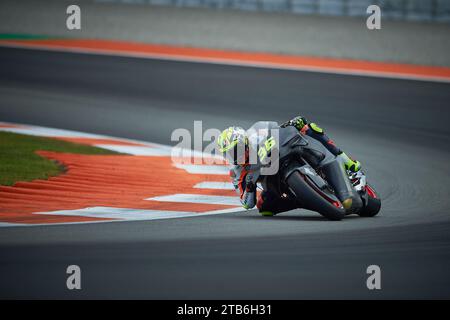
417 42
397 128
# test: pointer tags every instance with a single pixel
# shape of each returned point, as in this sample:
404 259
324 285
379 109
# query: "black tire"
312 200
372 208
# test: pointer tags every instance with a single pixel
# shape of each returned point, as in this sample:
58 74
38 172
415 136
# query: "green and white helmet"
232 142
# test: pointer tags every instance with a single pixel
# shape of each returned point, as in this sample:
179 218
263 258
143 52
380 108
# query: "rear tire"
312 200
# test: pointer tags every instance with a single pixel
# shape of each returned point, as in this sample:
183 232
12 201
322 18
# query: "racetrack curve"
396 128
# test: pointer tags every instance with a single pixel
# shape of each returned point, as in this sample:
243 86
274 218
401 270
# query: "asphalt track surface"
397 128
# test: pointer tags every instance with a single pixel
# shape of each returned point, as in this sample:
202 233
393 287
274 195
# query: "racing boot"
338 179
353 168
349 163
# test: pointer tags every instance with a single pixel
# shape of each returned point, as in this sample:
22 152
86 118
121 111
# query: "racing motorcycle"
311 175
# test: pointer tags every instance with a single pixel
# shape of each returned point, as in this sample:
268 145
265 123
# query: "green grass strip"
19 161
20 36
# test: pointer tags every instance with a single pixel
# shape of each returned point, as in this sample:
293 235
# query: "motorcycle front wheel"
313 198
373 204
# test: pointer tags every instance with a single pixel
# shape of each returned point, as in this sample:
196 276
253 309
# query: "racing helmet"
233 144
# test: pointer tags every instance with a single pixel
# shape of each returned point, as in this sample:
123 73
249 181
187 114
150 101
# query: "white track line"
50 132
203 169
122 214
136 150
199 198
7 224
53 132
215 185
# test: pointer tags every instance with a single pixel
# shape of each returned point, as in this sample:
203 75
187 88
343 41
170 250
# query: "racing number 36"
266 147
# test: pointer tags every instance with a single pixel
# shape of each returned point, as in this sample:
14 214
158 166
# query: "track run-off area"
147 182
396 127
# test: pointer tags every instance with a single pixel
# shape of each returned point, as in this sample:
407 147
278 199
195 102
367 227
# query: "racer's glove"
298 122
250 186
248 198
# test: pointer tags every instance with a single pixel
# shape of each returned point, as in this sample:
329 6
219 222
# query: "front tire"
311 199
373 204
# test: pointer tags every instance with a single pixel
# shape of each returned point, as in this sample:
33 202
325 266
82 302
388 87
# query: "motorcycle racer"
245 175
